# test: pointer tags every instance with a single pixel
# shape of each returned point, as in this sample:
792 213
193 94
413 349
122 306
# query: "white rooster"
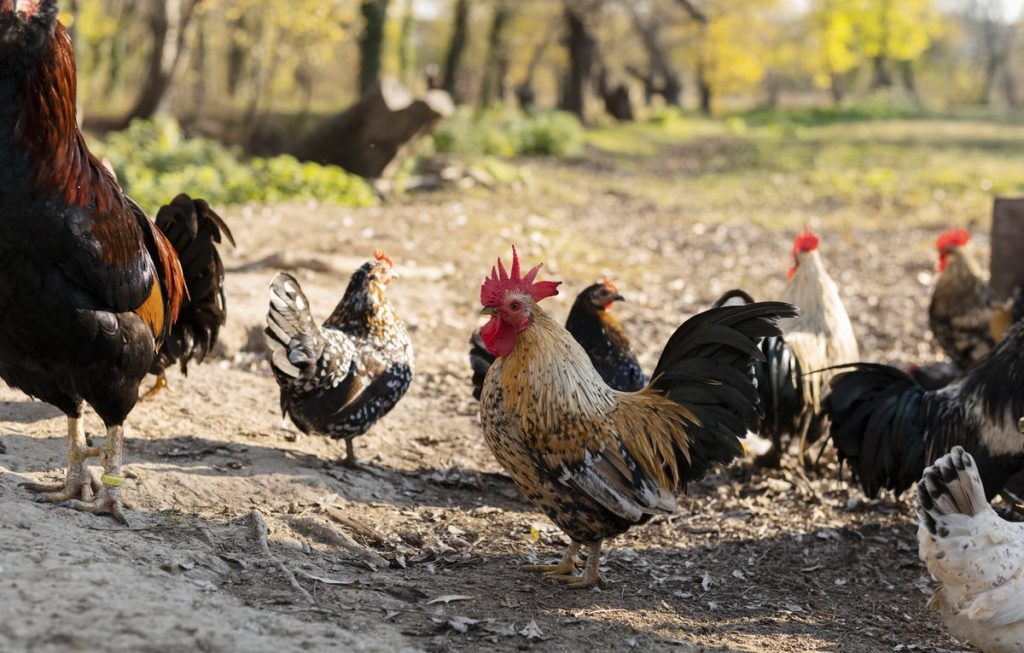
976 555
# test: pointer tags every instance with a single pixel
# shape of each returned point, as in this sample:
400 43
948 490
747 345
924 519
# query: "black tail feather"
194 230
480 360
707 366
877 427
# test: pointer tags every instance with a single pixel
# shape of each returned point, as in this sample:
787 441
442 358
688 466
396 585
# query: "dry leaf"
448 598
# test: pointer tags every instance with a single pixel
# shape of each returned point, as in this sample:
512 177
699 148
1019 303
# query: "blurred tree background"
213 83
219 60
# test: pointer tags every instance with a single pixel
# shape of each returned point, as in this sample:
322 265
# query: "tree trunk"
836 89
496 64
406 55
456 48
582 49
525 94
371 42
660 60
704 91
372 137
168 22
880 77
909 79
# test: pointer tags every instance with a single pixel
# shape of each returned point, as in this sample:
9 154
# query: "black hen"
780 386
193 227
889 428
592 324
340 378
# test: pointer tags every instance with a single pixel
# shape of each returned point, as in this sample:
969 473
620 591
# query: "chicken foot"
591 572
108 499
567 565
79 483
158 385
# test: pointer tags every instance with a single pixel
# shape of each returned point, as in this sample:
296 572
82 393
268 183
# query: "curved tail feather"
480 360
293 339
194 231
707 367
875 413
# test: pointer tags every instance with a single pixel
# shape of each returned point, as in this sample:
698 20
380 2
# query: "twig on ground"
260 528
365 530
325 533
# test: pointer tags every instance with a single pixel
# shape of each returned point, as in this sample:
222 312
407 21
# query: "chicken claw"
108 500
591 575
160 384
79 483
567 565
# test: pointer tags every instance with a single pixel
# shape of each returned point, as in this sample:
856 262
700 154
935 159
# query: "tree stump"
1006 271
372 137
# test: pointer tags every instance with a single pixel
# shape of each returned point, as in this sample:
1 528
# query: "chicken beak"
618 298
488 310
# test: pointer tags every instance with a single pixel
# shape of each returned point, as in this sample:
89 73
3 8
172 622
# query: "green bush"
154 161
506 134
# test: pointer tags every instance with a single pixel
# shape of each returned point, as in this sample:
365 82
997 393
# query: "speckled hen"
596 460
338 379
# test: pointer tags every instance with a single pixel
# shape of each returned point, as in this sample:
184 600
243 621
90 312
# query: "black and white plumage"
976 556
592 324
889 428
192 227
338 379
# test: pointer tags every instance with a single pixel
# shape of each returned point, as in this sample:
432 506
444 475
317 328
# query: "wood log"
372 137
1006 271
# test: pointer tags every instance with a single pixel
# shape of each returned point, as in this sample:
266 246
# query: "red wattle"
499 338
792 271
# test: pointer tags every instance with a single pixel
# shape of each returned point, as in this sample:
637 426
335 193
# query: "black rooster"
89 287
340 378
596 328
889 428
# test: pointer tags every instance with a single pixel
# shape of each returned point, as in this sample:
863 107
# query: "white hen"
976 555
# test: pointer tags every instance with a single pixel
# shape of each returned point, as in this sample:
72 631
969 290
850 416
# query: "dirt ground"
420 549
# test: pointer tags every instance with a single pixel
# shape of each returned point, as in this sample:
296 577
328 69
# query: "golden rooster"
820 337
597 460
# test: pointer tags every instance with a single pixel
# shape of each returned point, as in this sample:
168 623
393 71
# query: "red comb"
500 283
952 238
805 241
380 255
609 284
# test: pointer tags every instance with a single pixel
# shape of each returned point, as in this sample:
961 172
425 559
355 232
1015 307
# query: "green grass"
850 168
154 161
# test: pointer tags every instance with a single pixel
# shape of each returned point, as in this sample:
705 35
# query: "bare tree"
582 47
659 59
168 24
456 48
496 65
525 93
994 38
371 42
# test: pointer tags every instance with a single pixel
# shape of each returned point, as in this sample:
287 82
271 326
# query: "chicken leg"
108 499
591 572
79 483
158 385
567 565
350 455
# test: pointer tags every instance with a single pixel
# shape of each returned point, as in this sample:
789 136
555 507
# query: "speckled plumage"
976 556
338 379
960 313
597 460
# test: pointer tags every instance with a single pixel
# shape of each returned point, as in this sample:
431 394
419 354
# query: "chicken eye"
515 306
